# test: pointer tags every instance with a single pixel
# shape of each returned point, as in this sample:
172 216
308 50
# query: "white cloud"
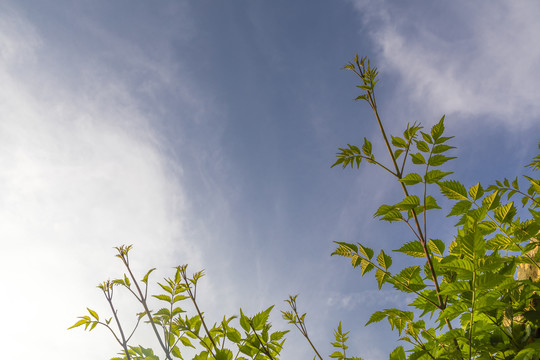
80 173
462 58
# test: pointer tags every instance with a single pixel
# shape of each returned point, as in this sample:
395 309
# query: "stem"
135 328
415 217
108 296
265 349
422 239
302 327
473 285
192 297
145 305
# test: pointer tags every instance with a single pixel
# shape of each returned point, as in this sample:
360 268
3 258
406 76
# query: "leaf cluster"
177 329
467 285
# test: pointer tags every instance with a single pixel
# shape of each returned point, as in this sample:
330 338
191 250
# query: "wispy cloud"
81 173
462 58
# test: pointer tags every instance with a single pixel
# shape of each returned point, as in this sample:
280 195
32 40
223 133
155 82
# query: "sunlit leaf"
412 248
453 189
411 179
384 260
434 176
418 159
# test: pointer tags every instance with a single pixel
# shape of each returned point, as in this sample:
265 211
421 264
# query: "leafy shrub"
478 306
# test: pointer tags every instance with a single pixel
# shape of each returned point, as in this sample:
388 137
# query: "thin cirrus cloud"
81 173
468 59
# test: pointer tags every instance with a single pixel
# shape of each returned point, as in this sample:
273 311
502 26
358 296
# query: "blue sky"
203 132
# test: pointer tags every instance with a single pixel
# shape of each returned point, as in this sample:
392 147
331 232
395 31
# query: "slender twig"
375 162
192 297
423 241
135 328
107 290
302 327
142 300
473 300
265 349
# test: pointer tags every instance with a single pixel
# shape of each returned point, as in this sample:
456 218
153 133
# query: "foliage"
174 329
478 308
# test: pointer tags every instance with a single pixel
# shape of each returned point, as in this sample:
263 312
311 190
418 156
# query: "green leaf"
338 161
455 288
145 279
410 276
367 148
505 213
163 297
278 335
438 129
476 191
202 356
366 267
393 215
431 203
530 352
399 142
434 176
453 189
93 313
78 323
350 247
473 245
376 317
234 335
535 184
438 160
384 260
356 260
186 342
443 139
166 288
398 354
460 208
224 354
383 210
515 184
244 322
175 351
418 159
126 281
422 146
411 179
427 137
381 277
261 318
500 242
354 149
410 131
436 246
491 201
410 202
412 248
180 297
438 149
367 252
459 264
